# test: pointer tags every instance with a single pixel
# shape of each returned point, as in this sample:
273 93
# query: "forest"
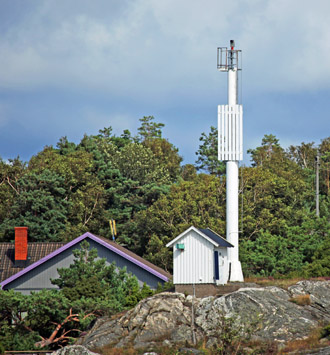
140 182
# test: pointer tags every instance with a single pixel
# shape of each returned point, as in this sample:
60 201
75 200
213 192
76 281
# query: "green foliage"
166 155
280 233
10 172
149 129
45 308
303 155
14 334
325 332
268 153
137 162
52 318
228 335
91 278
199 202
208 154
40 205
167 286
65 191
320 264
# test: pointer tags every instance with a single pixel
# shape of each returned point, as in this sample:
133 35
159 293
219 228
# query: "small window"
180 246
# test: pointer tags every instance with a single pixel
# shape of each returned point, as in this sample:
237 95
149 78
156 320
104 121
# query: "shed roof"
216 237
207 233
116 248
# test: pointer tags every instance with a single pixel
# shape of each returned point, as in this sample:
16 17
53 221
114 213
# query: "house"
200 261
27 267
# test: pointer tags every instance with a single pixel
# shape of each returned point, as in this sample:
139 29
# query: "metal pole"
317 190
232 185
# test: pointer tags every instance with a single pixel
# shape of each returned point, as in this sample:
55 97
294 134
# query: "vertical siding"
195 263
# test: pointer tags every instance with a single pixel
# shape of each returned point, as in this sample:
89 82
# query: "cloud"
145 47
118 121
72 67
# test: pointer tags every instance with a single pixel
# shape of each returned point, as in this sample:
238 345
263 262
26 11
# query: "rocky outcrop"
74 350
265 313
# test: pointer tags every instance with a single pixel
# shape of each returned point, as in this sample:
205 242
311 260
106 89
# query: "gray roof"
216 238
36 251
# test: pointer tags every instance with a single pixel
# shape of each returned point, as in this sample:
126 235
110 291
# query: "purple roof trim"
76 241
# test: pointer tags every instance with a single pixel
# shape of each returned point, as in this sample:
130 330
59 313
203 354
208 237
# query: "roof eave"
171 243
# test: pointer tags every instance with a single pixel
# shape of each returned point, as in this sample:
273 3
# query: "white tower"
230 150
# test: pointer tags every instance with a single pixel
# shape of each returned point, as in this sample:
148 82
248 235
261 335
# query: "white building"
200 256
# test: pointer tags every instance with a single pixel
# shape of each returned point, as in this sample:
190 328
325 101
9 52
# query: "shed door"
216 265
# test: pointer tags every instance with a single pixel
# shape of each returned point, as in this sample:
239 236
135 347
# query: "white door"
223 267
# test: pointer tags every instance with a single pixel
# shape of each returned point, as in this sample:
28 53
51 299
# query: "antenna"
229 58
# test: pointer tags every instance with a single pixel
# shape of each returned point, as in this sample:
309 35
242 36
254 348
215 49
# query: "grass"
301 300
311 342
284 283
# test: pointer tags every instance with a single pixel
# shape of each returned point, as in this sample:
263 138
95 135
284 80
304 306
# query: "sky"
73 67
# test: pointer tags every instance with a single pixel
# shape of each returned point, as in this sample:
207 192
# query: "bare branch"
91 213
10 184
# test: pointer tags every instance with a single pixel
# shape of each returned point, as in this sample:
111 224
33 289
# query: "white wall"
223 266
194 264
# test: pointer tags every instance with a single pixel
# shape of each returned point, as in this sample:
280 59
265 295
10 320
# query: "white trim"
171 243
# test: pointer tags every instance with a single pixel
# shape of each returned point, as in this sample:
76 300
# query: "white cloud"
149 47
118 122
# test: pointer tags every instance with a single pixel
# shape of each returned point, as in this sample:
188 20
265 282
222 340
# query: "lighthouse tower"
230 150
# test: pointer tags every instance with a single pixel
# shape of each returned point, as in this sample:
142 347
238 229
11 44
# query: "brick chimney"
21 245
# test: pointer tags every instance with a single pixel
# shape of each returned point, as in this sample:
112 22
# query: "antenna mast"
230 150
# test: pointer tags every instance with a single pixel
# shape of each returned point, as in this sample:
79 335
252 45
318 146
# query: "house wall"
141 274
39 277
194 264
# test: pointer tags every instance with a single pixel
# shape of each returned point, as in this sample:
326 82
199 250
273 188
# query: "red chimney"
21 247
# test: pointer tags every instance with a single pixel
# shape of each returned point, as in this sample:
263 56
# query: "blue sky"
70 67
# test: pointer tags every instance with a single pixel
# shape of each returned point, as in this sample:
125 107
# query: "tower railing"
229 59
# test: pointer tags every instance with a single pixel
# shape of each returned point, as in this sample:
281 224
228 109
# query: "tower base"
236 274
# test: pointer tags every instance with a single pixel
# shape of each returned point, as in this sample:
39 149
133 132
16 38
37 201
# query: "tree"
208 154
90 277
149 129
137 162
83 190
14 333
166 155
303 155
89 288
198 202
10 173
269 152
40 205
324 149
278 235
